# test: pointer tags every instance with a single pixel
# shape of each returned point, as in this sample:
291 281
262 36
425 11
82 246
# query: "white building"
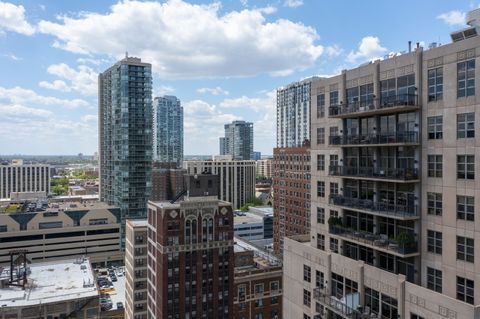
248 226
19 178
264 167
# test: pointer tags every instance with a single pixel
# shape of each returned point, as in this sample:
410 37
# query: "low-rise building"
54 289
257 283
256 224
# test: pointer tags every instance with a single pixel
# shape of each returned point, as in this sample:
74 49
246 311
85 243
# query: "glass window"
466 78
334 245
321 241
333 188
307 273
465 249
320 135
389 307
466 125
333 161
259 289
465 207
372 300
435 84
434 242
320 215
435 127
319 277
414 316
465 289
465 166
320 105
333 98
320 188
434 204
320 162
435 165
434 279
307 297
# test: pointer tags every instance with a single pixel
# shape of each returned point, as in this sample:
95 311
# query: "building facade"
257 284
238 140
19 178
237 178
190 254
136 269
168 130
167 181
125 136
291 193
293 113
394 171
264 168
61 231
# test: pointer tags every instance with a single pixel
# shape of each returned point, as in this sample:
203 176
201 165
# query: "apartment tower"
125 136
238 140
394 187
18 177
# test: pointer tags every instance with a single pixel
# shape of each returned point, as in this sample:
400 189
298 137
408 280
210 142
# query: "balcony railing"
335 305
380 241
368 139
403 174
374 104
385 208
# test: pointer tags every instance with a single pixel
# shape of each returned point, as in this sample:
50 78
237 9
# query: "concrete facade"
20 178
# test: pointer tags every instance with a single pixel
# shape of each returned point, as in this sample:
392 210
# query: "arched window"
188 231
194 231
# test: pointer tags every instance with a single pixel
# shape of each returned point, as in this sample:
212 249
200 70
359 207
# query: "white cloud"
82 80
57 85
12 18
453 18
90 118
293 3
265 103
236 43
333 51
165 90
13 57
214 91
18 95
368 49
16 110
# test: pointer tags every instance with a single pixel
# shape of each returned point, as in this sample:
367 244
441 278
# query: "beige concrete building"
237 178
60 230
136 269
395 178
264 168
18 177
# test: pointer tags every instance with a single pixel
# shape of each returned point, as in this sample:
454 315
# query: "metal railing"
386 208
385 138
335 305
373 104
380 241
403 174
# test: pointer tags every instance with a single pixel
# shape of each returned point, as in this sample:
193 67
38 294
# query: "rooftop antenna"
126 54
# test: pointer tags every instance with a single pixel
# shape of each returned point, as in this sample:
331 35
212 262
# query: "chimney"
409 46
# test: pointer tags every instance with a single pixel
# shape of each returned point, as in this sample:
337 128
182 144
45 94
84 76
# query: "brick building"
167 181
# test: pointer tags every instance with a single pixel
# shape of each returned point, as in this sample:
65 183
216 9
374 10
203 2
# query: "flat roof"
50 283
138 222
261 257
247 218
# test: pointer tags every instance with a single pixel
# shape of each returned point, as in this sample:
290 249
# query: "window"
434 279
434 242
320 189
274 285
333 160
334 131
321 241
307 297
320 215
320 105
258 303
435 127
465 207
465 166
333 98
434 204
466 78
435 84
98 221
319 279
466 125
3 228
435 165
334 245
320 162
333 188
259 289
320 135
307 273
305 316
259 315
414 316
465 249
465 288
372 300
274 300
48 225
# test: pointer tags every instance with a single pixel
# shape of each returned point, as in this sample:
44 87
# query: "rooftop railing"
373 104
381 138
403 174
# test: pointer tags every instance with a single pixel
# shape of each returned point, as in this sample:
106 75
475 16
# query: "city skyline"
53 110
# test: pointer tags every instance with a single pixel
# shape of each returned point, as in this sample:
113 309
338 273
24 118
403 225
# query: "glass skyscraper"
125 136
168 130
238 140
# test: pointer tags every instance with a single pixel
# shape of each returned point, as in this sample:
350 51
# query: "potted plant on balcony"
405 241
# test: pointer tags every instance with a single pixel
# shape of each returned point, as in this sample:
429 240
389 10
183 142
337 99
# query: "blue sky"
223 59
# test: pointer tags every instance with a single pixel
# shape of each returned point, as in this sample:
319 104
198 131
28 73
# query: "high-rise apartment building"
168 130
190 254
237 178
293 113
264 168
18 177
238 140
125 136
136 269
394 190
291 194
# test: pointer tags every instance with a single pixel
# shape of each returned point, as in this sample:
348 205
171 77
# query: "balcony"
376 173
391 104
396 138
387 209
404 246
339 306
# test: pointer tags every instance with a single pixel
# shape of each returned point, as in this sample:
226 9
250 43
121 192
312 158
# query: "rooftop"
137 222
51 282
246 218
42 206
262 258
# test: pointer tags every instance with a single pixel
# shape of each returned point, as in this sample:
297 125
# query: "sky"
223 59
